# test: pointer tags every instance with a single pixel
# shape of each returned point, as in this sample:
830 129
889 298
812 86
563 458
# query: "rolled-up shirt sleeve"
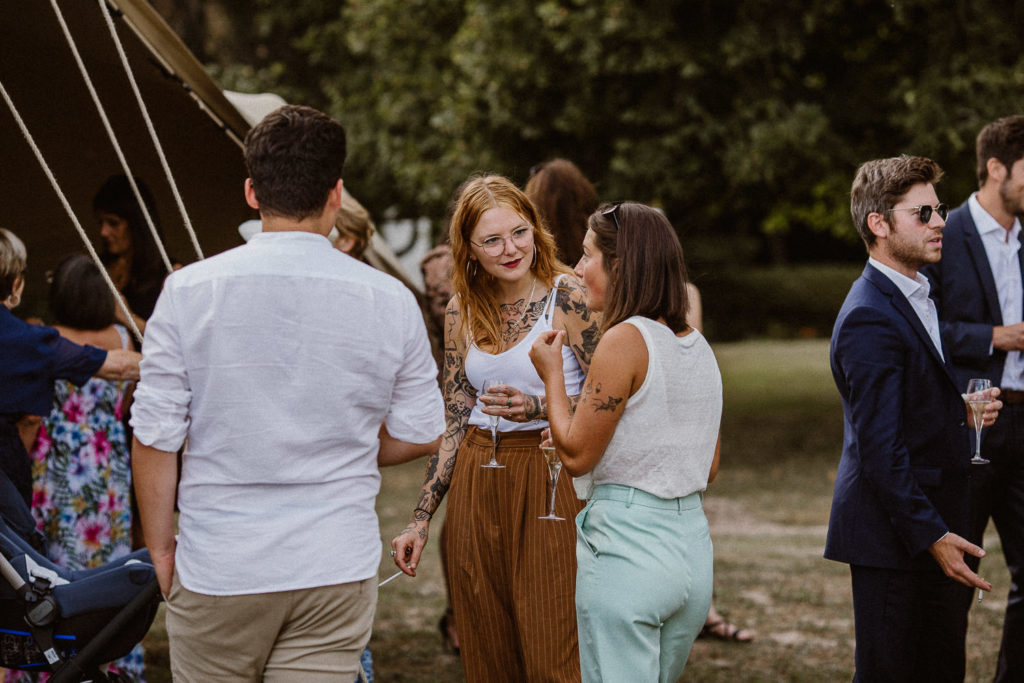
160 410
416 414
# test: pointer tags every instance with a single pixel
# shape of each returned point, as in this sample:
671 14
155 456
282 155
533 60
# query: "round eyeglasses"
522 237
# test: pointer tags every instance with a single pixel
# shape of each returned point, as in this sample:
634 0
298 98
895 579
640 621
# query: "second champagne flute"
547 447
488 383
976 399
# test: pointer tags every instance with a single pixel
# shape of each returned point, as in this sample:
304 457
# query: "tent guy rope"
71 214
149 126
110 133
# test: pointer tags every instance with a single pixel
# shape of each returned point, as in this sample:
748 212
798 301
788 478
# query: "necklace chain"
529 300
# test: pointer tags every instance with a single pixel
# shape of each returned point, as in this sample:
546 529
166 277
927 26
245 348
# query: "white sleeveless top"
665 440
513 367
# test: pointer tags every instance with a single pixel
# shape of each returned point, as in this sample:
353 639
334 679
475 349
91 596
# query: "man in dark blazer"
899 511
979 292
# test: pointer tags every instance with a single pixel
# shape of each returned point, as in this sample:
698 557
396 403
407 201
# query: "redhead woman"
646 433
511 574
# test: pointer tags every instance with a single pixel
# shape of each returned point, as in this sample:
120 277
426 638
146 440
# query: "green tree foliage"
744 119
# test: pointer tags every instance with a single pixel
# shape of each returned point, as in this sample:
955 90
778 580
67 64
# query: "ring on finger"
509 404
393 553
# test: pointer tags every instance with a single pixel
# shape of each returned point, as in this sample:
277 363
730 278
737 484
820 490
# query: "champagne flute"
488 384
976 399
547 447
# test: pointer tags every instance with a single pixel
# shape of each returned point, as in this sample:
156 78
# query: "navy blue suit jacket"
965 294
902 478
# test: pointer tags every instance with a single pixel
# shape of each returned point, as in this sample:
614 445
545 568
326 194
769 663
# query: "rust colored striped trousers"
512 576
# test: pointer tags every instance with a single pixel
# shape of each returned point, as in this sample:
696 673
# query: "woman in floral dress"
81 475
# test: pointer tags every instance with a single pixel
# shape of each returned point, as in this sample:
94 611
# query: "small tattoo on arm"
611 404
591 394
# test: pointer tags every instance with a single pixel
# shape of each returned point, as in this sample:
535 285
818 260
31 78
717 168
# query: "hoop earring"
534 264
475 265
13 300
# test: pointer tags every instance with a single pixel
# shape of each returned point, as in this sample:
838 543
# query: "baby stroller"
66 622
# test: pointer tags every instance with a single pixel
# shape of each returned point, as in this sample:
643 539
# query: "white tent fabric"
254 106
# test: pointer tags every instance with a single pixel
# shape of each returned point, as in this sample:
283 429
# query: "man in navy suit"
980 296
899 512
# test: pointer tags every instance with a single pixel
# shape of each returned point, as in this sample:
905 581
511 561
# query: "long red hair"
477 291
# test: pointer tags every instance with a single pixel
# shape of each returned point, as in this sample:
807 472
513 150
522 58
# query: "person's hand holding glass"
488 388
983 408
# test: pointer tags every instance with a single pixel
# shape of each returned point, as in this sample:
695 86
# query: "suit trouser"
643 583
910 625
306 635
997 491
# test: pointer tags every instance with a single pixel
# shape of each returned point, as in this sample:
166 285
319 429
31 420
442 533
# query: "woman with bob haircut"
646 432
512 575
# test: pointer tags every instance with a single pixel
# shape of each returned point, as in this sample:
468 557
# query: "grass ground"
768 509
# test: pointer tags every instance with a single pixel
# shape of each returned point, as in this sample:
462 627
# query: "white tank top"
513 367
665 440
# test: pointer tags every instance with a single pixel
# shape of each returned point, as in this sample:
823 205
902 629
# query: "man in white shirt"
899 511
293 371
980 296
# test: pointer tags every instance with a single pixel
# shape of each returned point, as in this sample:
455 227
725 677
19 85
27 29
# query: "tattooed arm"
617 370
582 326
571 314
459 397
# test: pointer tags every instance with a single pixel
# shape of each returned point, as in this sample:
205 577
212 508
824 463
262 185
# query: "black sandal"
723 630
448 633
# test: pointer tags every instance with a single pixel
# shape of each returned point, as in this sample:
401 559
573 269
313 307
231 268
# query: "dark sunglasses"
924 212
611 212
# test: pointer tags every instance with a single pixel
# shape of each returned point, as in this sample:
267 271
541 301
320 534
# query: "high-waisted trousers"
512 575
643 586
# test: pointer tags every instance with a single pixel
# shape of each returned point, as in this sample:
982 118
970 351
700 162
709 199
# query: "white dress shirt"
279 360
1001 249
916 290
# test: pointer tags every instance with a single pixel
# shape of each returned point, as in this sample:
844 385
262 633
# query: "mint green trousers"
643 583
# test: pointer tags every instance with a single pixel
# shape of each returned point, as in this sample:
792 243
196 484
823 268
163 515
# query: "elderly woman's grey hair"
13 258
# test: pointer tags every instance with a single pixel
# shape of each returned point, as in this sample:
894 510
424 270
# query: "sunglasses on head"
611 212
924 212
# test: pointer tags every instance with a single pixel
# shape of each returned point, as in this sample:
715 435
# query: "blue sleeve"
75 362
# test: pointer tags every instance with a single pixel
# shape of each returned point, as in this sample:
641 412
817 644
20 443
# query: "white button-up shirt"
1001 249
279 360
916 290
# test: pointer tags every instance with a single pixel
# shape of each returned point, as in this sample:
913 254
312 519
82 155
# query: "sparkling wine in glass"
494 464
554 468
976 398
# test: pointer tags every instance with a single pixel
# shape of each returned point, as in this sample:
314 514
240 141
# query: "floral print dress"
81 485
